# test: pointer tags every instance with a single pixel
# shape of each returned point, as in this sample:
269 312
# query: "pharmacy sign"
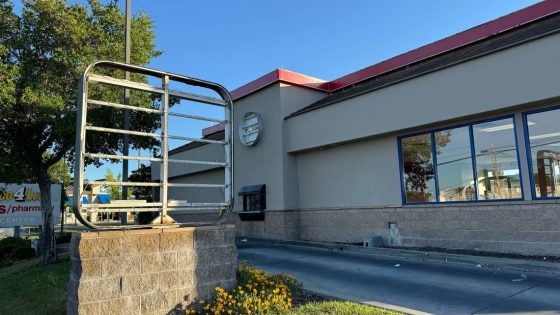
20 204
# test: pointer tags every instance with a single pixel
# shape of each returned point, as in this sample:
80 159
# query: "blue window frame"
542 142
472 162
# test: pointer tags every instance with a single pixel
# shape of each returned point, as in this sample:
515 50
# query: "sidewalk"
411 281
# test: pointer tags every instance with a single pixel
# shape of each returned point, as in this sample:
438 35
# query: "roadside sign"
20 204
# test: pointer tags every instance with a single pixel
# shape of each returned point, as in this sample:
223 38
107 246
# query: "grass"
338 308
28 288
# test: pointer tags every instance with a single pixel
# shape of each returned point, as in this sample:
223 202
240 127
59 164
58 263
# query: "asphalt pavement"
415 287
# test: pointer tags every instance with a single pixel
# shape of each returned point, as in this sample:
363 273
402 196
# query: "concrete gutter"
523 265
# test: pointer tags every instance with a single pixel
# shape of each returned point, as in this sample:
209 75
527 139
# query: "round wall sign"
250 129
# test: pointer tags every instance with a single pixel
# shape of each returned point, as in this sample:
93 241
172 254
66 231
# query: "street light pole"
123 215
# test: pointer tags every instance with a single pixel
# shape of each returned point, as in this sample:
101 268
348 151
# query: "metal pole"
124 215
164 148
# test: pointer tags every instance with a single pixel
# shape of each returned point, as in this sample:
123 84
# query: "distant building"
92 194
455 144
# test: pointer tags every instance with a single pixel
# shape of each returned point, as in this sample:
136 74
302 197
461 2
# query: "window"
418 169
469 163
454 165
497 165
543 131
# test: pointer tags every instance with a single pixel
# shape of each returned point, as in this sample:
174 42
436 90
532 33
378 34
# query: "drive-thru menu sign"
20 204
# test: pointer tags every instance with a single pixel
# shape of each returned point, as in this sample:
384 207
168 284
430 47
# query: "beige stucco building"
453 145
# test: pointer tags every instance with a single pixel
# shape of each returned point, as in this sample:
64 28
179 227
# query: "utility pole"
124 215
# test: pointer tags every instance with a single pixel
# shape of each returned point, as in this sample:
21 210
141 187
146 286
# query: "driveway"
410 286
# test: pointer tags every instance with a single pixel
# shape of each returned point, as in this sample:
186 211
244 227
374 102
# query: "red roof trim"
278 75
213 129
502 24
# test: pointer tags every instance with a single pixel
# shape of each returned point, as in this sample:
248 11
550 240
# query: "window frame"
470 125
528 152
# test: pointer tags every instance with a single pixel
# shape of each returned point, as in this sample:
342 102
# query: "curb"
421 256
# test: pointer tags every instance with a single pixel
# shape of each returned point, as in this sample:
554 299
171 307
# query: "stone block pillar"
149 271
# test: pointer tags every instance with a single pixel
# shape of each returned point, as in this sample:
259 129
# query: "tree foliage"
418 161
42 55
59 173
114 191
142 174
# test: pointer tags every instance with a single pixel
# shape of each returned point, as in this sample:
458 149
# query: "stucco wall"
366 172
293 98
262 163
215 176
207 152
357 174
521 74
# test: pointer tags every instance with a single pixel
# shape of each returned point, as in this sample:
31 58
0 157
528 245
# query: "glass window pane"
496 160
454 165
418 168
544 141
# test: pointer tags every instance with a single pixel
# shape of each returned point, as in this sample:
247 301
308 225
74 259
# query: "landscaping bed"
263 293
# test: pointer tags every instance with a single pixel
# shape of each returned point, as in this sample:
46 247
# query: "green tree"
42 55
418 160
114 191
59 173
142 174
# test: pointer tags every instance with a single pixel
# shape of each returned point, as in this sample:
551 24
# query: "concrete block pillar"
149 271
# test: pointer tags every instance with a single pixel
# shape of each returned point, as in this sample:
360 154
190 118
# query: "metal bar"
149 134
145 158
80 147
197 162
196 185
125 210
198 98
195 208
122 106
164 147
222 91
197 140
109 205
126 138
97 210
184 203
223 208
228 158
122 131
121 157
139 184
201 204
124 83
196 117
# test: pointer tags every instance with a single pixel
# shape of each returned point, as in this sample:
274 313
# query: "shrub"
21 253
9 244
146 217
257 293
63 238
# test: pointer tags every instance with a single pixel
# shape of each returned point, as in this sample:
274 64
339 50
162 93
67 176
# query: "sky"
236 41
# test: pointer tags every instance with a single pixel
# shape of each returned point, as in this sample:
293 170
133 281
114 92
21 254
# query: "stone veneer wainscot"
149 271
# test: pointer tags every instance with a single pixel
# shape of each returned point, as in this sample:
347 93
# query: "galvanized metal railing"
164 205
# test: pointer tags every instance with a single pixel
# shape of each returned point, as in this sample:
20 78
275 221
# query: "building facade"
453 145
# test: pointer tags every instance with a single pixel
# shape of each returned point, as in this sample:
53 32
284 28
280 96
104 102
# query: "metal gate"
164 206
